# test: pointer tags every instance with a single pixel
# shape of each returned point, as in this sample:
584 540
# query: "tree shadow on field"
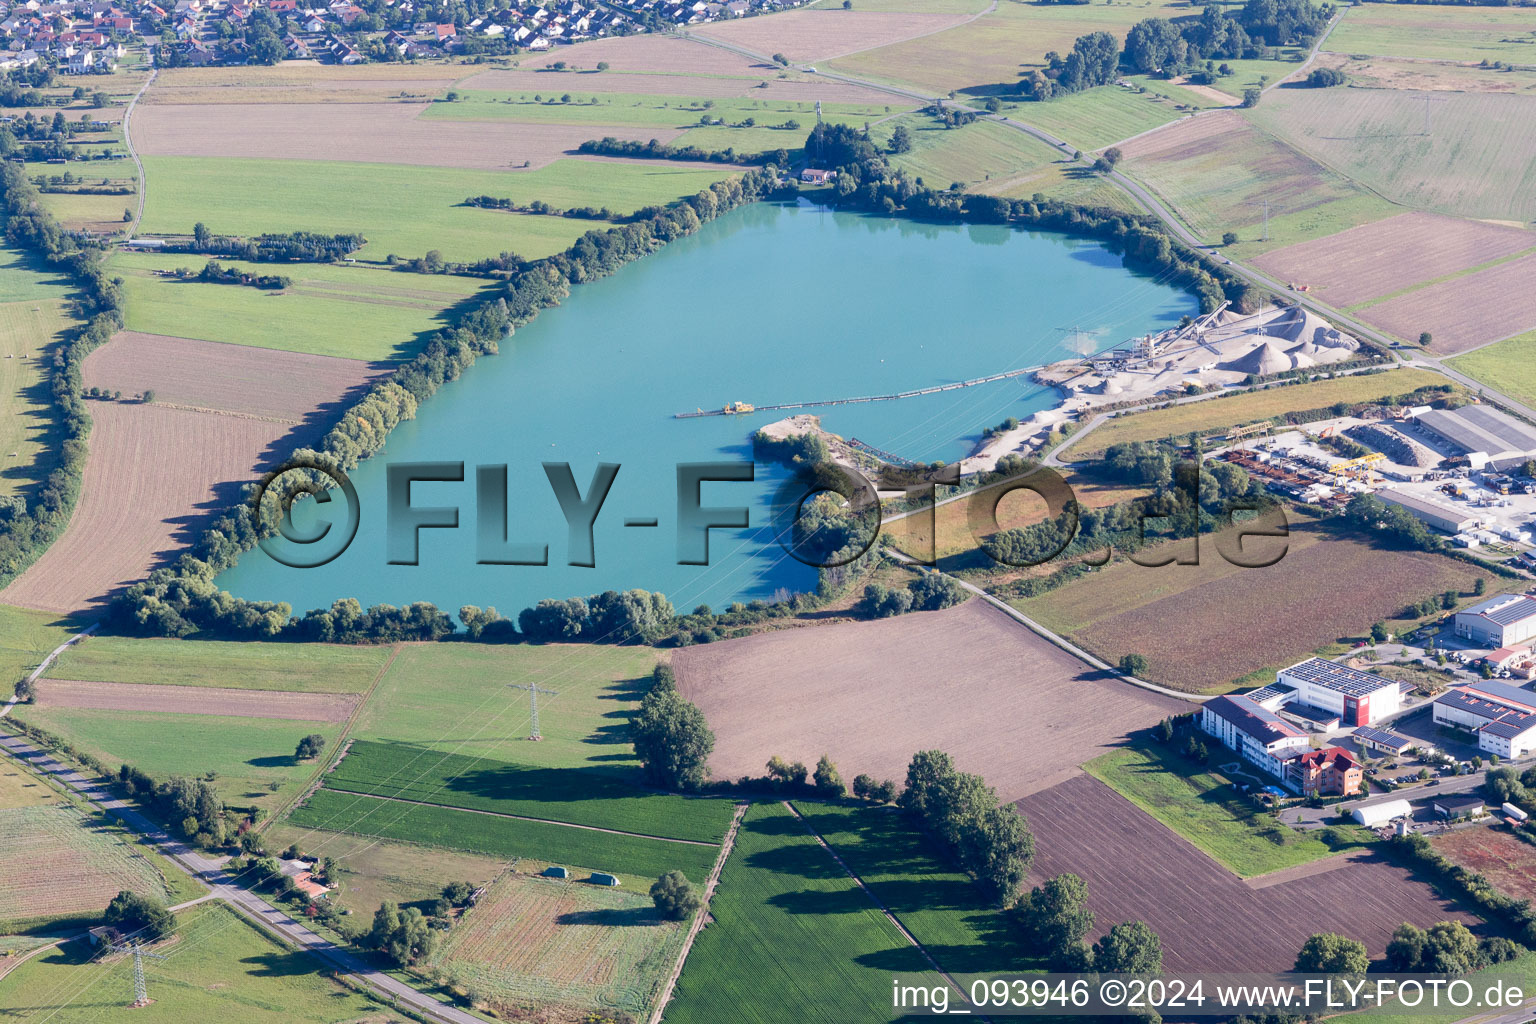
273 761
851 900
613 917
280 965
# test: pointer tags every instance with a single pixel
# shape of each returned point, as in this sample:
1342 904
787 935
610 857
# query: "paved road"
137 163
211 872
36 673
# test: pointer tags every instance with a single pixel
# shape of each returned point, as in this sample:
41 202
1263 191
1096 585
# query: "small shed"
602 878
1376 815
555 871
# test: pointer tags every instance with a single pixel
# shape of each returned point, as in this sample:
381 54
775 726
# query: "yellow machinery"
733 408
1359 469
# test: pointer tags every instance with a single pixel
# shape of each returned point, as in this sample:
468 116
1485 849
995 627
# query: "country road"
212 873
134 153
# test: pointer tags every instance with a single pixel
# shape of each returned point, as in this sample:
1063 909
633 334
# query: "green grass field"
29 435
310 668
507 838
1067 182
990 52
26 637
248 754
553 794
454 698
640 110
1508 366
24 278
793 941
219 968
1476 161
941 907
75 211
1203 807
352 312
405 210
1449 32
983 151
1235 410
1102 117
909 7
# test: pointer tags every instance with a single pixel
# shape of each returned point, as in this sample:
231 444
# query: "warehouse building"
1257 733
1503 621
1485 435
1430 513
1376 815
1453 807
1358 698
1383 742
1502 717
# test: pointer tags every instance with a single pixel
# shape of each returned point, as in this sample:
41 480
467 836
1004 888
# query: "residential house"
1327 772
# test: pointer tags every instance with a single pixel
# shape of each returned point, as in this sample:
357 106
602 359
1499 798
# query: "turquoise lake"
771 303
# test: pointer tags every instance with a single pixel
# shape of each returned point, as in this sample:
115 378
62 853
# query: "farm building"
1431 513
1503 717
1256 733
1485 435
1327 772
815 176
1459 806
1358 698
1501 621
1383 742
1376 815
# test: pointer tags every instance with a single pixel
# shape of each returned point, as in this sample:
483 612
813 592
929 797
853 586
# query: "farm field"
1475 162
1489 305
649 110
454 698
1509 366
249 755
295 81
1136 869
102 214
57 862
26 637
1065 182
552 794
1438 32
382 133
1216 167
1417 73
792 938
1250 621
941 907
1100 117
194 700
1353 266
894 677
376 871
973 154
20 788
1496 854
806 35
310 668
352 313
406 210
561 944
1203 807
986 55
128 512
219 968
1236 410
506 838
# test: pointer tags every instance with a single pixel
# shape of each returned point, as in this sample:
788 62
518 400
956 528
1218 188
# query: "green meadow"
310 668
974 153
26 637
1450 32
405 210
638 109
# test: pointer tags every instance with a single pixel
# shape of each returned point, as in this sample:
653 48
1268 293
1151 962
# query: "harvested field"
300 82
914 683
1446 76
195 700
1216 167
1438 32
388 133
150 474
1207 918
1486 306
1496 854
227 378
820 35
1201 627
562 943
1390 255
55 861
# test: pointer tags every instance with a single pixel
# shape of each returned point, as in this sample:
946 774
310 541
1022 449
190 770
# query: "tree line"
655 150
541 208
291 246
214 272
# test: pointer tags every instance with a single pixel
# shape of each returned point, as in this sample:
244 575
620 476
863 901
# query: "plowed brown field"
1378 259
1465 311
821 35
388 133
1509 863
968 680
1208 919
195 700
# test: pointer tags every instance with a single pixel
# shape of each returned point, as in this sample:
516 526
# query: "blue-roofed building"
1499 621
1502 717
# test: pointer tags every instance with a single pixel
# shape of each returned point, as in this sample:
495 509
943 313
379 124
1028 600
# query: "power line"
140 989
533 704
1427 99
1267 204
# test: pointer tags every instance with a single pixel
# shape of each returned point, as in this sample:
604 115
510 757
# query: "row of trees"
540 208
278 247
182 598
1390 524
655 150
190 804
1444 948
1056 918
962 815
214 272
930 592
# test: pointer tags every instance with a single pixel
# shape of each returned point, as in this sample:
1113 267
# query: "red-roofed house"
446 32
1330 771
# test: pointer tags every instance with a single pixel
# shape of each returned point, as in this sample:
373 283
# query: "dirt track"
195 700
389 133
968 680
1210 920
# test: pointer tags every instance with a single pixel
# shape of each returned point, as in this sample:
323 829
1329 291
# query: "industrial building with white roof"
1358 698
1499 621
1485 435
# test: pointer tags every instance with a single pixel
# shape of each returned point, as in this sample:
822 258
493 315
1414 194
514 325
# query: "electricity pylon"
533 704
140 989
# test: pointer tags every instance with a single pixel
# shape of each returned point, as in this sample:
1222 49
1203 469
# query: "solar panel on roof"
1339 678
